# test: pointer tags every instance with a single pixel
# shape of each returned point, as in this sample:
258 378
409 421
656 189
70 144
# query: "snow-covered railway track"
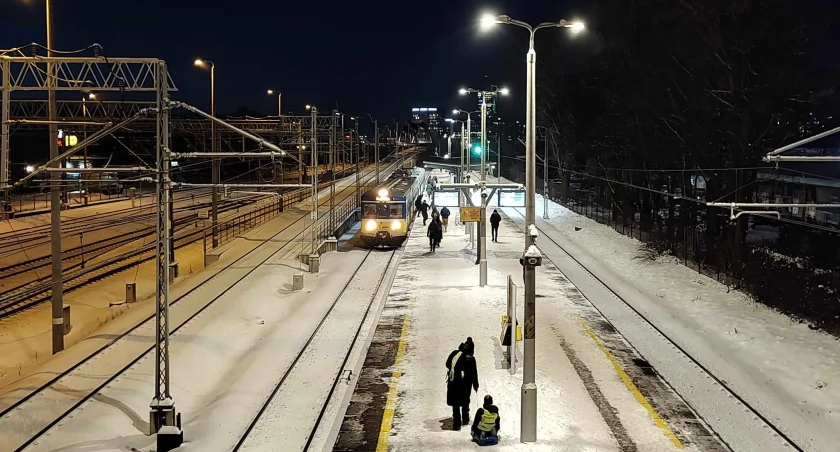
29 419
736 421
320 365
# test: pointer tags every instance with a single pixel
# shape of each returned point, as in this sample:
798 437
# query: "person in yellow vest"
461 378
485 428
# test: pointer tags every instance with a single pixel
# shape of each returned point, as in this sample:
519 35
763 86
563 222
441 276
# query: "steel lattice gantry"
137 79
145 84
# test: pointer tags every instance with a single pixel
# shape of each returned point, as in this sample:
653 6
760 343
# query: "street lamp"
463 139
279 101
528 422
467 139
485 98
214 191
313 256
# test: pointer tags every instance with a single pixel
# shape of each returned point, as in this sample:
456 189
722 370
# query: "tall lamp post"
485 96
279 101
55 196
467 143
314 111
463 137
214 191
376 146
528 423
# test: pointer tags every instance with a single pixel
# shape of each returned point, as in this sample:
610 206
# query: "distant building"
429 118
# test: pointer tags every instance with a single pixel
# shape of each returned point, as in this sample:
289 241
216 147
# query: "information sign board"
512 198
447 198
470 214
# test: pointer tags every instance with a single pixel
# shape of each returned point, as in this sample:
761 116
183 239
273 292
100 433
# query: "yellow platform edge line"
391 400
657 419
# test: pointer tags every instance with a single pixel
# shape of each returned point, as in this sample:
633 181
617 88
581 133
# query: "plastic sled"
486 440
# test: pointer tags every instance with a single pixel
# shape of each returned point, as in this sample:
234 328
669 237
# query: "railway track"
27 295
32 238
96 248
718 385
290 382
74 225
42 411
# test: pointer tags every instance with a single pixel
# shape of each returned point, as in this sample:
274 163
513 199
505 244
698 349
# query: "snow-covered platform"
595 392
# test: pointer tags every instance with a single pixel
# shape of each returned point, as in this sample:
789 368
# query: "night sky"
377 57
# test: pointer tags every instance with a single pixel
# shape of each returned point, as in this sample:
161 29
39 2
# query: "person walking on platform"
439 228
435 233
461 378
424 210
485 428
417 203
444 217
495 219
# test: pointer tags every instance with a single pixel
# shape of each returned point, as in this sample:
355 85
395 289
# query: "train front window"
370 211
395 210
383 211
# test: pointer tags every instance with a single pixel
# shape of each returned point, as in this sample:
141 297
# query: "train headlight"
383 193
370 225
396 225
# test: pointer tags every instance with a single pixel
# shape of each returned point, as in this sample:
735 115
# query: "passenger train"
387 213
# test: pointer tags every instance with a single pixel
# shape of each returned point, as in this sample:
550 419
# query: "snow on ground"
294 410
448 306
25 341
784 369
190 297
225 362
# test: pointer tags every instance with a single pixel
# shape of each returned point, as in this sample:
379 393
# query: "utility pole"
164 420
528 417
376 150
498 160
545 180
55 196
214 204
332 170
485 96
300 151
466 169
463 146
5 111
357 144
482 236
314 111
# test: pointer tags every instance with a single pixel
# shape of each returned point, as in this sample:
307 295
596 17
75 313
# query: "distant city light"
30 168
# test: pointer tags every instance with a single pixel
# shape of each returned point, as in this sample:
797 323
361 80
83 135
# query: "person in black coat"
424 210
495 219
435 234
461 378
417 203
487 420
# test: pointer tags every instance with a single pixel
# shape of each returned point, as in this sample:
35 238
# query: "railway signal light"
476 149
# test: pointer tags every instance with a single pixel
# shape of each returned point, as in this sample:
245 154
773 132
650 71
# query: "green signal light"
477 149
